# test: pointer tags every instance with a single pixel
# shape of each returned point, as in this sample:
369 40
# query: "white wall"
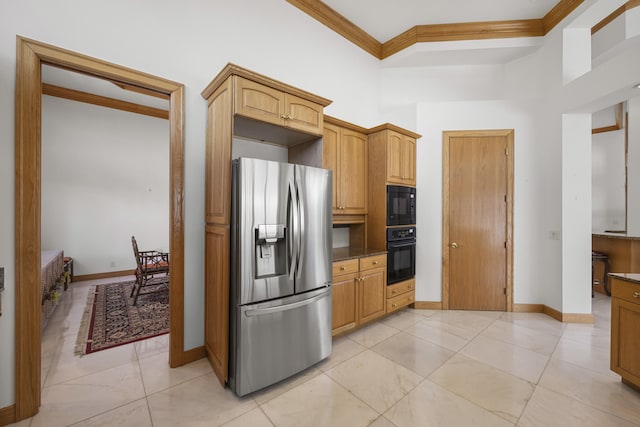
105 177
633 191
607 174
189 42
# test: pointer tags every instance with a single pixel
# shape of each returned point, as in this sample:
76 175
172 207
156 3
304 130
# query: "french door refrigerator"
281 240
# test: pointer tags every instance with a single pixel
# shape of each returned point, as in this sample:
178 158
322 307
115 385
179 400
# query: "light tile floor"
413 368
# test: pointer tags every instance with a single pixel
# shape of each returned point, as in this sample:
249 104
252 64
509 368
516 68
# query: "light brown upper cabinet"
242 103
400 155
392 161
344 151
264 103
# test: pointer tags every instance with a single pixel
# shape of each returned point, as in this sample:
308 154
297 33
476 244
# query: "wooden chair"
603 258
148 265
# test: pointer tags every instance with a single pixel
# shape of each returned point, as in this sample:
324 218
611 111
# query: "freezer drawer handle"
270 310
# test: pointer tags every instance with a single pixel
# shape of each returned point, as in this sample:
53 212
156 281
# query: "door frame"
446 137
30 55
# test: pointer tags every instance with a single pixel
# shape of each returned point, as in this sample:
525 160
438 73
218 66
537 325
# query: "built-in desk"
625 327
623 252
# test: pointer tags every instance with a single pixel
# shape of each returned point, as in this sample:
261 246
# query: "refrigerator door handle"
271 310
291 237
300 231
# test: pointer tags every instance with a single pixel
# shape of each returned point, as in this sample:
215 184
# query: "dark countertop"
341 254
629 277
611 235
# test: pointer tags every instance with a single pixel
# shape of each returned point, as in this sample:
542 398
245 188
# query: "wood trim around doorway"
30 55
446 135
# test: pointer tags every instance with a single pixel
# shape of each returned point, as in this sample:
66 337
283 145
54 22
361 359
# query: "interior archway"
30 55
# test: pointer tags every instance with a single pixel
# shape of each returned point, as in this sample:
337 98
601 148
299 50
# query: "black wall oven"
401 254
401 205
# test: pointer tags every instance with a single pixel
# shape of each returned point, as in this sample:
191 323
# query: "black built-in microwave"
401 205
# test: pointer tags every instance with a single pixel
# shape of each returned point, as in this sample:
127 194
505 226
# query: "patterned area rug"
109 320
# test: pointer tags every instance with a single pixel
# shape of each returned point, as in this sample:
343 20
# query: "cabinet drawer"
400 288
625 290
403 300
345 267
370 262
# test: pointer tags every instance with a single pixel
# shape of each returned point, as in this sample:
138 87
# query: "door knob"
453 245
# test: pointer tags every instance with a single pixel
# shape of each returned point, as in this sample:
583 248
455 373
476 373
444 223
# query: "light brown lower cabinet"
625 324
400 295
359 291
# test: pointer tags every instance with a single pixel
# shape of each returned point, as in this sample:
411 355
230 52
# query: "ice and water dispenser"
270 250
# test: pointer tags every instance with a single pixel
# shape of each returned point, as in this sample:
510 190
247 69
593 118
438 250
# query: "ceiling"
411 33
384 19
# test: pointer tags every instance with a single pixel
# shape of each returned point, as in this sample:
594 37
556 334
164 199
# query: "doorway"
30 56
477 243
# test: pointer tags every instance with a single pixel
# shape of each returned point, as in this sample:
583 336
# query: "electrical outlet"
1 279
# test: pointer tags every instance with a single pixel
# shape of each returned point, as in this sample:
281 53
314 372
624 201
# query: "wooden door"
353 172
477 220
330 137
373 299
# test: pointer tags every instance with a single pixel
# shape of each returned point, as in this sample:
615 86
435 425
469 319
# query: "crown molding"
437 32
619 11
463 31
558 13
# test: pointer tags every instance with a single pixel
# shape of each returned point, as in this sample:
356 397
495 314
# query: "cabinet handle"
393 292
375 262
343 268
410 286
636 294
394 305
286 116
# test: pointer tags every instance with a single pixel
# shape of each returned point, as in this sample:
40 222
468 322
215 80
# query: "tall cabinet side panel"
377 219
218 163
217 216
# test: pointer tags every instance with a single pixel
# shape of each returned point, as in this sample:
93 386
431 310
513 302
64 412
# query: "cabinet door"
408 160
353 160
625 345
344 303
330 137
303 115
218 156
394 156
372 295
401 159
216 299
258 101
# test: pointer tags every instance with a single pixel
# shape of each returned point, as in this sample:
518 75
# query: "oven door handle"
401 244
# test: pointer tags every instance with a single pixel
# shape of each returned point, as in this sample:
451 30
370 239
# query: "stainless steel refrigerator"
281 240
